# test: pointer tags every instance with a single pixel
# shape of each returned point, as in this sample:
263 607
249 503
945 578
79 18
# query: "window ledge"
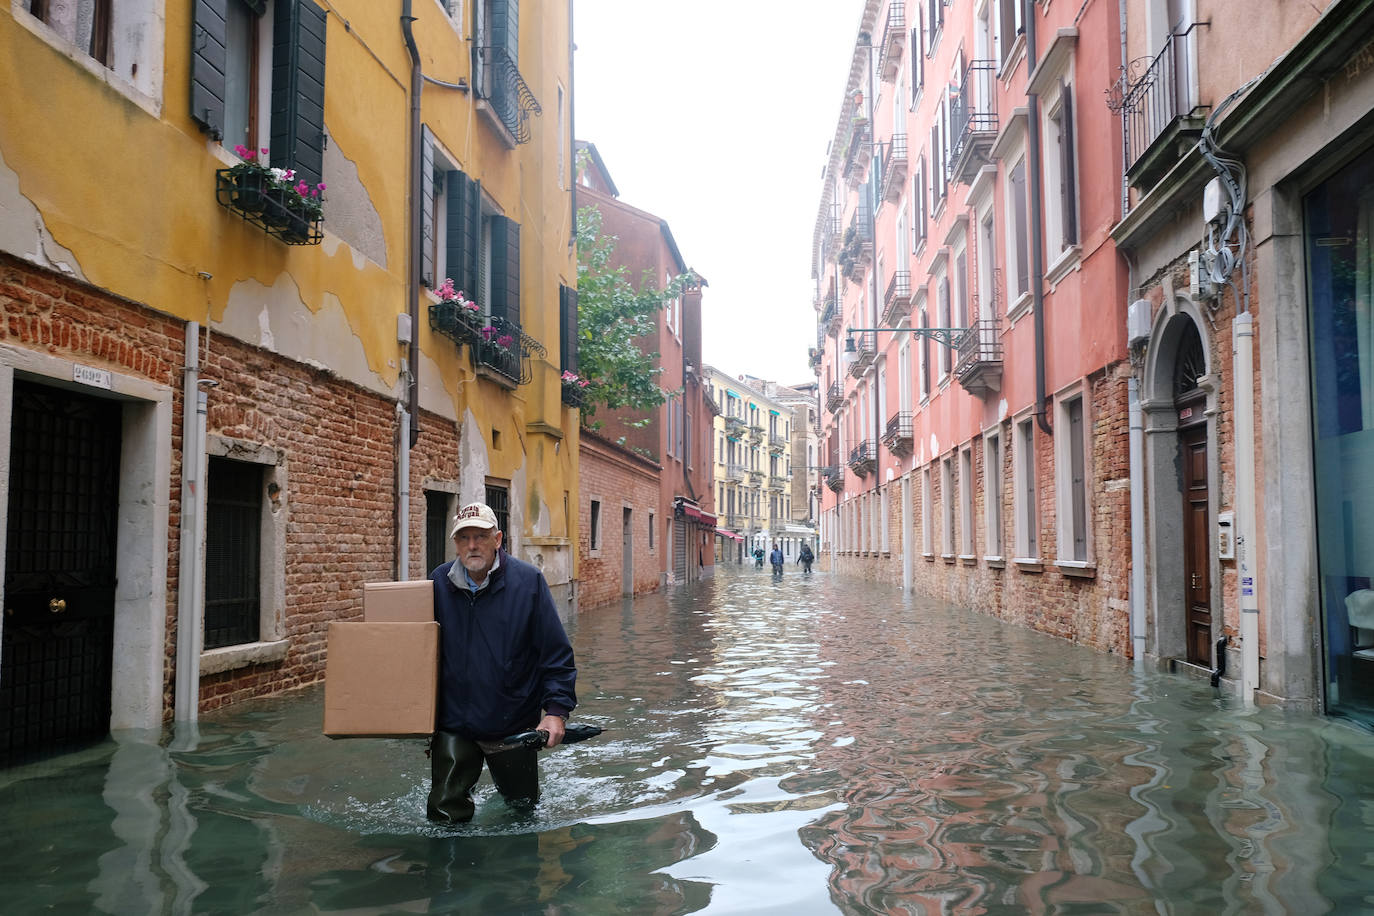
929 556
213 661
968 559
948 558
1013 57
1077 569
1069 260
1019 308
1029 564
995 562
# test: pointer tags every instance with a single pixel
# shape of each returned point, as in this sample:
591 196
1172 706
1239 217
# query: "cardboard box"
381 679
398 602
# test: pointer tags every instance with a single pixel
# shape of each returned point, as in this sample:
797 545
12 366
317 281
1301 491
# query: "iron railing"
894 167
505 349
865 349
863 457
898 296
973 113
834 397
894 32
979 347
734 472
897 436
497 80
1158 97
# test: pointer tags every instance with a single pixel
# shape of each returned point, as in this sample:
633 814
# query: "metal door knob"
1194 580
56 605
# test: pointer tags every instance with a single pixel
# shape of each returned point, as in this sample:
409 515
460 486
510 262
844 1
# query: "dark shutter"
1018 194
505 269
298 35
427 211
462 213
207 66
1067 201
567 327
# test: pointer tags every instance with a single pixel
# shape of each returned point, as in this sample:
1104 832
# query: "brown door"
1197 587
57 647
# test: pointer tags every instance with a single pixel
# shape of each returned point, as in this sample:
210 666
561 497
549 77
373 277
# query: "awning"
690 510
729 534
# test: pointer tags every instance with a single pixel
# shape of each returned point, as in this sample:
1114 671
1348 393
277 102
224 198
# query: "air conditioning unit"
1138 323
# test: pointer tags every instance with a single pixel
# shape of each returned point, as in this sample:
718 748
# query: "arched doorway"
1180 467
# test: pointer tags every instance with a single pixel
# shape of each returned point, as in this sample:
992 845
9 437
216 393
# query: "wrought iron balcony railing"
778 483
756 477
860 151
898 298
979 367
894 168
1155 101
497 81
865 349
834 397
863 458
504 352
734 427
834 478
777 443
898 436
894 33
734 472
973 120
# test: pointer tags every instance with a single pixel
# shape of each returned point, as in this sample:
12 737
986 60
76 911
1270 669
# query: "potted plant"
305 207
573 385
249 179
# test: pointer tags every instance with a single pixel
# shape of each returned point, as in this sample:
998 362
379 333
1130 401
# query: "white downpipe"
1137 460
908 537
403 496
1247 556
190 625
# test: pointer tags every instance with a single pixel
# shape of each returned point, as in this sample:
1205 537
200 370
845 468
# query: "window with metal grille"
436 528
233 543
498 497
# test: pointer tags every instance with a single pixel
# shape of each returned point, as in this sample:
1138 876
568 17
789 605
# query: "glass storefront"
1339 226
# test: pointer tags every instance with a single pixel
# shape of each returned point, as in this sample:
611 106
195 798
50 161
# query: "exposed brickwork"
1090 609
336 440
617 478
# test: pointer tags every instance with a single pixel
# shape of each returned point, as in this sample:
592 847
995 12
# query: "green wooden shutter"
208 58
298 41
462 203
567 328
505 269
427 276
1067 196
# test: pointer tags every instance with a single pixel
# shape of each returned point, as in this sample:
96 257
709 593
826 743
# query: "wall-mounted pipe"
1036 208
186 699
416 227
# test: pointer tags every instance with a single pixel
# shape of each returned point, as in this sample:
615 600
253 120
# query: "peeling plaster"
23 232
934 445
276 319
348 209
1002 413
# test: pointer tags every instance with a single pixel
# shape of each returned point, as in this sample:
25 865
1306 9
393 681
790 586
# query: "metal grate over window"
233 540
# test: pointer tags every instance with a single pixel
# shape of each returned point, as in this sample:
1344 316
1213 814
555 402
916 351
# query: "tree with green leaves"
613 317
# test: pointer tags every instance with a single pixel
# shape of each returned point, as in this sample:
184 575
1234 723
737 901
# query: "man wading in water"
505 666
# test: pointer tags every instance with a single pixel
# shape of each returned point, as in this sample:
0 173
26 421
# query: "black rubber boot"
455 766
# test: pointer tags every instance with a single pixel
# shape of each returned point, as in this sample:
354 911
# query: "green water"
803 745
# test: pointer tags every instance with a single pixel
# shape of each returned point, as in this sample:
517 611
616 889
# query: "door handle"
1194 585
56 605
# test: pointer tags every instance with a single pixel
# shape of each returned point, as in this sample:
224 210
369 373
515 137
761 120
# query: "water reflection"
792 746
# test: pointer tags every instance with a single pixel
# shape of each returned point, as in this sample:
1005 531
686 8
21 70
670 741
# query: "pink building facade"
970 351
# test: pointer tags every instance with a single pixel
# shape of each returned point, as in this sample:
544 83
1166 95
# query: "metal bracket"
947 336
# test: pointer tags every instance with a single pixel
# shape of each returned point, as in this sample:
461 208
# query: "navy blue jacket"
504 656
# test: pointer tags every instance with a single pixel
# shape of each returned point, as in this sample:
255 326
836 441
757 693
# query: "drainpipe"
190 636
409 432
872 192
1037 235
1137 461
1247 556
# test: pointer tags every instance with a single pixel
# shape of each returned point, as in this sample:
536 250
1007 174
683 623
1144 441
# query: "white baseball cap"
473 515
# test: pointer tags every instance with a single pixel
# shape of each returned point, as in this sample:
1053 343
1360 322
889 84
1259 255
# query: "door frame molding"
140 604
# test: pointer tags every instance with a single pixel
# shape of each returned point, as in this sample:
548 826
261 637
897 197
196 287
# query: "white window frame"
137 49
993 508
948 488
594 526
1066 494
1026 490
966 502
927 497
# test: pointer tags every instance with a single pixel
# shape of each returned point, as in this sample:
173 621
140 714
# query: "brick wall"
617 478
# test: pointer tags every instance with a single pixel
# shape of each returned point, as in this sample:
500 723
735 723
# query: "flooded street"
803 745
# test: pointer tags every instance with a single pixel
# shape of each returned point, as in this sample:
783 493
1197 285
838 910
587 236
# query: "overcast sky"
716 115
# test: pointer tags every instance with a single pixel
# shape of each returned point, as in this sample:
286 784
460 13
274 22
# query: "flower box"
267 208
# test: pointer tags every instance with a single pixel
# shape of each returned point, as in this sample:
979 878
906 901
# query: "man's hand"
554 726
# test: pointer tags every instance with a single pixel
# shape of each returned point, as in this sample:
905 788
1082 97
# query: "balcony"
734 473
503 96
865 349
894 34
857 156
1158 125
502 353
979 367
777 444
834 478
734 427
894 168
898 436
735 520
856 251
756 477
756 434
834 397
973 120
898 299
830 316
863 458
813 358
778 483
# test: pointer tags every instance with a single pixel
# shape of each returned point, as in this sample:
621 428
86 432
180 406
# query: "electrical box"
1200 284
1226 535
403 329
1138 323
1213 201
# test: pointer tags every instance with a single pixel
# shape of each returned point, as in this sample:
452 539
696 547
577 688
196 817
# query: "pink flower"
320 187
468 303
569 376
505 340
302 189
487 332
445 290
244 153
264 151
583 383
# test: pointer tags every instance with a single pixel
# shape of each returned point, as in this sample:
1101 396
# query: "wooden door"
1197 585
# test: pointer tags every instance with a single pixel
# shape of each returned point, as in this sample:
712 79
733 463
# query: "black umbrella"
538 737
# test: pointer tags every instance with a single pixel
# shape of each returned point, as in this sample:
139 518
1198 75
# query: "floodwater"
803 745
